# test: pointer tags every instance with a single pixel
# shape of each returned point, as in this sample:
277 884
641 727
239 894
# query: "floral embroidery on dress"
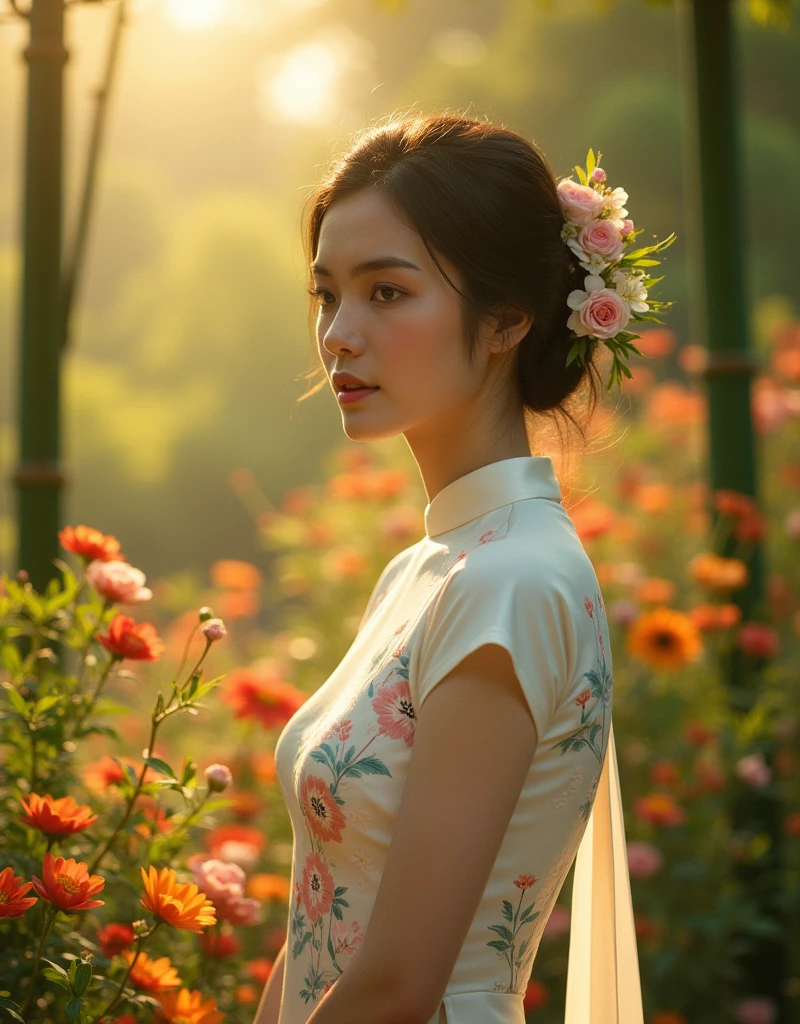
506 945
594 703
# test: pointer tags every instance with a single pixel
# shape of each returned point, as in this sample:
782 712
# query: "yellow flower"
180 904
151 975
187 1007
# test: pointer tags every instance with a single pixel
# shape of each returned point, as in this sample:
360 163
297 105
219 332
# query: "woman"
441 780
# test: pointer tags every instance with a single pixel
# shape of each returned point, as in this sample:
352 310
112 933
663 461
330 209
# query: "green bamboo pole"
39 475
714 163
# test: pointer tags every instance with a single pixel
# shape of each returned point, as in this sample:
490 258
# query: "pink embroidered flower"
317 887
583 697
485 537
346 938
395 712
343 729
322 812
587 604
525 881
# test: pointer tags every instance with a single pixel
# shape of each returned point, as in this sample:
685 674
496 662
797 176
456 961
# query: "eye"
387 288
319 293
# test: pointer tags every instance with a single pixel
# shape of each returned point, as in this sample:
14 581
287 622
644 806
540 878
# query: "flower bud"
206 613
598 174
627 227
214 629
22 576
218 777
140 928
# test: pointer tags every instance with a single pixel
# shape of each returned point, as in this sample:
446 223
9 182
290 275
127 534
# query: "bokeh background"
190 337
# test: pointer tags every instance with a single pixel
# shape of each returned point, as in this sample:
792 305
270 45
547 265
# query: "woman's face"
397 327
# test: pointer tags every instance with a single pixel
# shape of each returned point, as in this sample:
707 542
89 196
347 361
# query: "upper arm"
473 745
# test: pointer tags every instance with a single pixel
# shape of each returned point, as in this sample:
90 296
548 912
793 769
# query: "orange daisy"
56 817
717 573
187 1007
68 884
151 975
90 544
13 901
180 904
665 639
715 616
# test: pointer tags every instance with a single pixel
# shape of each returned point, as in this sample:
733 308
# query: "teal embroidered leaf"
336 911
502 930
349 755
326 747
338 799
340 902
499 945
369 766
339 890
508 911
529 914
300 945
319 758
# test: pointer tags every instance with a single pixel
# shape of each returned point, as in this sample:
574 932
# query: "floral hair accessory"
597 230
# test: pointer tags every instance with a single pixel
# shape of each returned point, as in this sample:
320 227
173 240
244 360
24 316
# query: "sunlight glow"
196 15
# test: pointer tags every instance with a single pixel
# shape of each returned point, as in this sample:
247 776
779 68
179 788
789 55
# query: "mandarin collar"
490 487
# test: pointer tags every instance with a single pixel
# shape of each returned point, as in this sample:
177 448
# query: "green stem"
186 647
199 663
34 756
89 705
118 994
49 917
129 809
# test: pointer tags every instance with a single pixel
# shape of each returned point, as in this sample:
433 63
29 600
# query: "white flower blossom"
631 289
614 203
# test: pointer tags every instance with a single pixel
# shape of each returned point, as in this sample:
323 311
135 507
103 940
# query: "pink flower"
623 611
346 938
792 523
224 884
557 923
599 236
758 639
627 227
214 629
598 174
118 581
644 860
598 311
754 770
395 712
317 888
756 1010
579 203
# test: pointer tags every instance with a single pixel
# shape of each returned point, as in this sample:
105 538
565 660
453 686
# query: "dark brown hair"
485 198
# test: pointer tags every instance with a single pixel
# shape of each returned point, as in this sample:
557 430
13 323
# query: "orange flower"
342 562
238 604
591 518
664 639
245 804
90 544
715 616
68 884
180 904
388 483
99 775
13 901
263 695
653 497
220 944
228 574
260 970
158 819
716 573
243 835
269 887
114 938
659 809
655 590
151 975
56 817
187 1007
525 881
126 639
246 994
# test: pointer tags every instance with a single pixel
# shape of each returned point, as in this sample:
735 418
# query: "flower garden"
144 843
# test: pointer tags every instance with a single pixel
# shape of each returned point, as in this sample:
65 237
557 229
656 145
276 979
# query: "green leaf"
74 1008
83 975
645 263
161 767
57 967
590 163
10 657
52 975
46 703
579 171
10 1008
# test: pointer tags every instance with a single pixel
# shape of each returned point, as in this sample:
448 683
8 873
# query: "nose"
343 333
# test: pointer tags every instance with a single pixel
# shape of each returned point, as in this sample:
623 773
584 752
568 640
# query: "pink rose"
600 312
601 237
224 884
218 777
644 860
754 770
579 203
118 581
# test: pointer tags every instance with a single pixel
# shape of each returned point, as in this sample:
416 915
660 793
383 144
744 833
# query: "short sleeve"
507 604
388 573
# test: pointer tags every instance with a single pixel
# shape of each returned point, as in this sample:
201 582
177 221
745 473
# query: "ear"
508 327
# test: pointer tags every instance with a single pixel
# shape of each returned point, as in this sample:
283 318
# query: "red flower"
659 809
536 996
13 901
525 881
260 970
56 817
323 814
90 543
114 938
699 734
98 775
583 697
317 887
758 639
126 639
263 695
68 884
220 945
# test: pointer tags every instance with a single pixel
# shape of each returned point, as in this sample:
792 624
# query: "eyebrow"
379 263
